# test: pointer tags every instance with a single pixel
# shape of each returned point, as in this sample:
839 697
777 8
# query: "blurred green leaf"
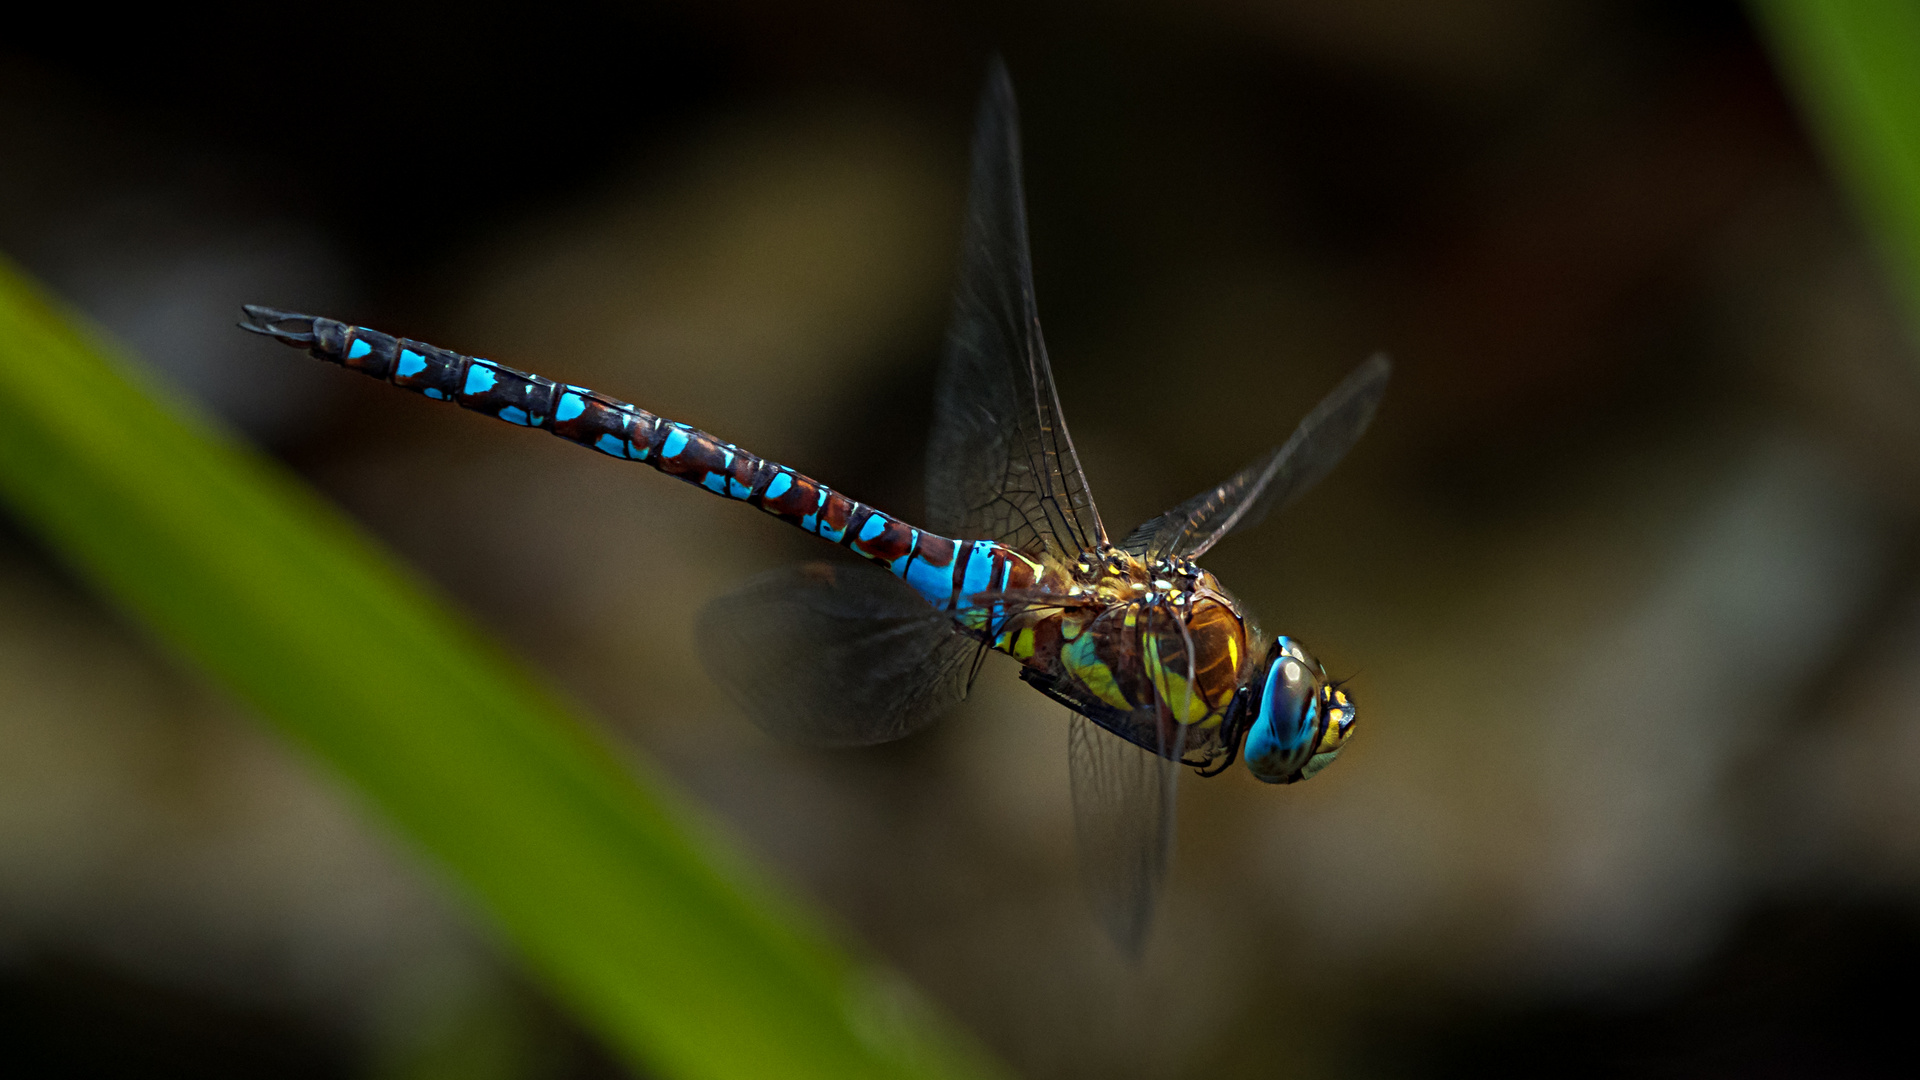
1855 66
614 892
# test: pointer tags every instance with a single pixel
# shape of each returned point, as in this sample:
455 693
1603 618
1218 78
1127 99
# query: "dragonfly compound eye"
1299 720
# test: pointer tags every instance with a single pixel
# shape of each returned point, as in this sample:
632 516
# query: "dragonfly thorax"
1162 644
1113 576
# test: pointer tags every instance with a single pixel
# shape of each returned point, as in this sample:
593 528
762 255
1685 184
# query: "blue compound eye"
1288 739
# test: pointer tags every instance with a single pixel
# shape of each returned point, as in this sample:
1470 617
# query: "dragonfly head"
1296 719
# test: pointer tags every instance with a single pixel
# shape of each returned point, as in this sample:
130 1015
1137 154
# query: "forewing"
1123 803
1277 478
1124 772
1000 464
834 655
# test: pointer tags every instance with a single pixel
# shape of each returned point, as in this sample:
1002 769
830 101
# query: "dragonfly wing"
1123 803
1276 478
1001 465
835 655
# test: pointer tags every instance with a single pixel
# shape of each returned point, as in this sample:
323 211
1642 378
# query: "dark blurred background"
1626 573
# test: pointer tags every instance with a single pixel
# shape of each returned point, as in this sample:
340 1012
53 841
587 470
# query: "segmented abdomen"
949 573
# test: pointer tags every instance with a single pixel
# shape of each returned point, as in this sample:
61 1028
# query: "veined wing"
1275 479
1000 464
1123 808
835 655
1123 815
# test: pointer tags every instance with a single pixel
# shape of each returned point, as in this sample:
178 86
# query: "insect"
1159 664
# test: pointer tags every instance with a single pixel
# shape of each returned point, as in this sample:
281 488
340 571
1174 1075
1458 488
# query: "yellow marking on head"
1332 738
1233 652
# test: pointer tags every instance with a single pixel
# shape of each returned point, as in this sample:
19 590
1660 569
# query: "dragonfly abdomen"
947 572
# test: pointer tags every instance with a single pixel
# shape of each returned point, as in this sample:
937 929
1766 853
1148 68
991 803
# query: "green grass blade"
611 889
1855 67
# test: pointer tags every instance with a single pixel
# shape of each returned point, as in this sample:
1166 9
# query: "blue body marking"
358 349
411 364
437 395
778 486
513 414
479 380
875 525
571 405
715 482
933 582
979 568
611 444
738 490
676 442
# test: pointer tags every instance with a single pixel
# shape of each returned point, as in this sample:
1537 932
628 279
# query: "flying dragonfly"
1159 665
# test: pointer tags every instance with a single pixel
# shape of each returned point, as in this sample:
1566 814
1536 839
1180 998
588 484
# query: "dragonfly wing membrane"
835 655
1001 464
1123 802
1123 816
1273 480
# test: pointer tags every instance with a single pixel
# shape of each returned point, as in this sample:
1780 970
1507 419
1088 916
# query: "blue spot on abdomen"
875 525
571 405
514 415
979 568
611 444
358 349
933 582
676 442
480 380
411 364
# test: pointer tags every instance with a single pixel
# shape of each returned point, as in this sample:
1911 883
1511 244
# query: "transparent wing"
1124 769
1123 813
1001 465
1277 478
833 655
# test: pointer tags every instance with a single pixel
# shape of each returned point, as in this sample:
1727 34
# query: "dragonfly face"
1300 720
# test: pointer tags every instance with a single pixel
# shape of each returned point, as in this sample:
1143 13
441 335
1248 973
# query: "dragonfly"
1160 667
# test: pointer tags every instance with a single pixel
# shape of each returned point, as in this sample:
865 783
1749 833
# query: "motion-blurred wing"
1125 768
832 655
1123 801
1277 478
1000 464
